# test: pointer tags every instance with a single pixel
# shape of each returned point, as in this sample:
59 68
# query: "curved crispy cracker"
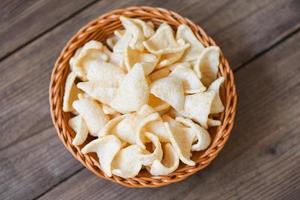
70 93
191 82
148 61
78 125
169 45
106 148
170 90
169 163
181 140
92 114
202 135
217 105
127 163
133 91
206 66
184 32
198 106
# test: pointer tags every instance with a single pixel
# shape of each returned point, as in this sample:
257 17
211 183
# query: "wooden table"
261 160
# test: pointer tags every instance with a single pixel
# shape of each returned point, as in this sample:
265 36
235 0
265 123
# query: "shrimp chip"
157 104
71 92
127 163
89 54
102 92
107 52
119 33
106 129
202 135
158 128
213 122
207 64
191 82
106 148
157 154
78 125
141 125
122 43
148 61
108 110
163 41
115 59
105 73
217 105
184 32
181 140
118 60
145 26
169 163
158 74
111 41
137 35
170 58
145 110
151 126
181 64
170 90
82 96
173 113
92 114
198 106
125 129
133 91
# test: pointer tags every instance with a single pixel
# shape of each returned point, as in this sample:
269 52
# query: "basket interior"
100 30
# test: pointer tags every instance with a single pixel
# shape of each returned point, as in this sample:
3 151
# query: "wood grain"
22 21
242 29
262 158
32 166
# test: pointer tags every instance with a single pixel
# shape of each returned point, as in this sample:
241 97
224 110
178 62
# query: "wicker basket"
100 29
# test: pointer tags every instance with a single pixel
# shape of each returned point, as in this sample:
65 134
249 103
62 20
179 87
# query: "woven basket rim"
57 82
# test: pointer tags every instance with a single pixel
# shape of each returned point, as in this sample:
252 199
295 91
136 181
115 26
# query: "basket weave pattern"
99 29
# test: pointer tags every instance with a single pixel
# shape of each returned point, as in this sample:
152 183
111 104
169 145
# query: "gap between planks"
57 184
284 37
33 133
20 47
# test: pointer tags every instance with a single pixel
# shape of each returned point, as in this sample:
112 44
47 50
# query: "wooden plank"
24 79
243 29
25 75
22 21
32 166
262 158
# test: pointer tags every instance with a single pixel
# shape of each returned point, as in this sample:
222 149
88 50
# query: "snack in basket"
147 99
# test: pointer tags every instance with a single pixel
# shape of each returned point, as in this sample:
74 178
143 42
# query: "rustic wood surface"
260 38
23 21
